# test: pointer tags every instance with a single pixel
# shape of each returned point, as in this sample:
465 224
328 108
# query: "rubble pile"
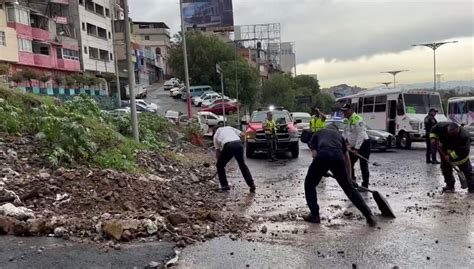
170 200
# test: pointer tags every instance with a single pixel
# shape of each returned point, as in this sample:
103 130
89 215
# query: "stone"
210 234
233 237
20 228
44 175
127 235
130 206
177 218
98 228
6 225
20 212
194 178
60 231
130 224
181 244
69 175
214 216
114 229
153 265
264 229
150 226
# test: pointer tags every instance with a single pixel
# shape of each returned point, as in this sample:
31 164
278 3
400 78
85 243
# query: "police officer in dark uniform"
454 141
430 121
330 154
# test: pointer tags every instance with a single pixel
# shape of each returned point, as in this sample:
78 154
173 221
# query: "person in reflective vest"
454 141
355 133
270 134
317 121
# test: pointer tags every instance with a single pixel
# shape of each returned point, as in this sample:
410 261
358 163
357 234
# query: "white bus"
397 111
461 110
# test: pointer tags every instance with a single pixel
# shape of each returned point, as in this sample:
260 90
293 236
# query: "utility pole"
131 73
434 46
185 53
237 86
117 75
219 71
438 76
394 74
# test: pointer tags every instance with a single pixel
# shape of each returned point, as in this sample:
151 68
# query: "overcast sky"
352 41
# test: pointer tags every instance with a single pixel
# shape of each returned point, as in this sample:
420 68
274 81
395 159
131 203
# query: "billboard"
208 14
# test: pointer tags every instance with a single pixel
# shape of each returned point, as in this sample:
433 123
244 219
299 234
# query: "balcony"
65 2
43 60
40 34
69 65
21 29
26 58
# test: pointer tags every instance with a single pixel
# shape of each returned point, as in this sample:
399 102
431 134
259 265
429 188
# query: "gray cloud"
336 29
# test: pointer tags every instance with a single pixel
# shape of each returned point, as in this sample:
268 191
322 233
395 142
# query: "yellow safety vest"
316 124
270 126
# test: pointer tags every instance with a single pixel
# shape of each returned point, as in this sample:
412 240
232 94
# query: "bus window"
380 104
400 108
421 103
359 109
368 104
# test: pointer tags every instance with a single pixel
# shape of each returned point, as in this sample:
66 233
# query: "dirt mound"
171 199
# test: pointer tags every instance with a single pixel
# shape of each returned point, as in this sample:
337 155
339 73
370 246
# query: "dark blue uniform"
331 148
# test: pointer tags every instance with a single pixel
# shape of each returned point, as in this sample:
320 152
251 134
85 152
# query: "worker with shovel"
453 144
330 154
270 128
355 133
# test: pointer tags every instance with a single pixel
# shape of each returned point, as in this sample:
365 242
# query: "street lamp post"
394 74
434 46
117 75
185 53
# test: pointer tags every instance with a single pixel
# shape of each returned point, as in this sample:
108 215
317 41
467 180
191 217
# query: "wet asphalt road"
432 230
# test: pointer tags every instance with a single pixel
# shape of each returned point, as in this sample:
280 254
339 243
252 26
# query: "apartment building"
93 25
8 39
39 37
155 38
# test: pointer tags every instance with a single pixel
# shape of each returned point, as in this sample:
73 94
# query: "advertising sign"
208 14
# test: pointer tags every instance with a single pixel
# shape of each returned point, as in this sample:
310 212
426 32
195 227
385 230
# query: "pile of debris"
171 200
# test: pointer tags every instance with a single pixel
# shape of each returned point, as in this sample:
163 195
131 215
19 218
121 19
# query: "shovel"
461 176
382 203
363 158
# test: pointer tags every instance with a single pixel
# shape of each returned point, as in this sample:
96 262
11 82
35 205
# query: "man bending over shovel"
330 154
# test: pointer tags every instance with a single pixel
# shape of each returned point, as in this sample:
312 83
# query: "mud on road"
431 230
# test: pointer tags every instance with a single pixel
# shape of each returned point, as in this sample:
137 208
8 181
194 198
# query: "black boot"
312 219
448 189
371 221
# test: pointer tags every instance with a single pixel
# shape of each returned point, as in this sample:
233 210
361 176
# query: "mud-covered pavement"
431 229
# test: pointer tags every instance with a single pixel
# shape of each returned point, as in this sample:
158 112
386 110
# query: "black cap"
346 107
433 110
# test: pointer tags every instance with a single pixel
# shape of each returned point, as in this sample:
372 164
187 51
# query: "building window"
25 45
59 53
90 5
147 37
101 33
3 41
99 10
41 48
85 49
107 12
104 55
70 54
18 15
81 2
111 56
83 26
110 35
91 29
93 53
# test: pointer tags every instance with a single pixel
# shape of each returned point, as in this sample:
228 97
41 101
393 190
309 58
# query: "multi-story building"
8 39
155 37
44 41
288 58
93 25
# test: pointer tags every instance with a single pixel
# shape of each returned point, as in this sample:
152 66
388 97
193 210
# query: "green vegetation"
77 132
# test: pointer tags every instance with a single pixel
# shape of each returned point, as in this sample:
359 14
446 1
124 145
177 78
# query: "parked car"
212 119
287 133
196 91
194 98
151 106
230 108
177 92
207 98
184 120
172 83
380 140
172 116
305 119
139 91
216 100
139 107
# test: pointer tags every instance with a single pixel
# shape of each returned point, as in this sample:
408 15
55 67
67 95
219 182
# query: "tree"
204 52
30 75
70 81
308 82
279 91
246 83
4 69
17 78
324 101
60 80
44 78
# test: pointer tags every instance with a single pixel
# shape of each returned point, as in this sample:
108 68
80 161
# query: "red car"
216 108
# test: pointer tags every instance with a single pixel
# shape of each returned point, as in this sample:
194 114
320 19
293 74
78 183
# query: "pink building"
46 42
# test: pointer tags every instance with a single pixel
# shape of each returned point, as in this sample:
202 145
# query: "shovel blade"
462 180
383 205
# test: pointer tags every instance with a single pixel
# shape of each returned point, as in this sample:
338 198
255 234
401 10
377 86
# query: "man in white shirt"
355 133
228 144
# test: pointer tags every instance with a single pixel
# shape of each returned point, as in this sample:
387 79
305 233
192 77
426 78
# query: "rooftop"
155 24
